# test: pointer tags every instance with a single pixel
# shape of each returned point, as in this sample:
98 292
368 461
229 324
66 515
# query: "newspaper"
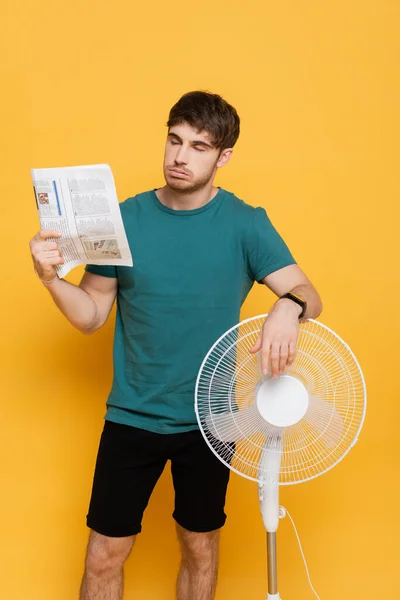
81 203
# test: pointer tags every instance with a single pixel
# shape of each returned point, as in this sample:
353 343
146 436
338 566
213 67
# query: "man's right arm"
86 306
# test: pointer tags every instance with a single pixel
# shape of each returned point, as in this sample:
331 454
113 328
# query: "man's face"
190 159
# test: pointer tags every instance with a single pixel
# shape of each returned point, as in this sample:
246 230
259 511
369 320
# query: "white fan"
280 431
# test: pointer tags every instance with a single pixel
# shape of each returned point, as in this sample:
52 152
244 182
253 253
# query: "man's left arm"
278 338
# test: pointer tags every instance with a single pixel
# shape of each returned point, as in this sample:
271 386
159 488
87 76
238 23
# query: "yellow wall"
316 86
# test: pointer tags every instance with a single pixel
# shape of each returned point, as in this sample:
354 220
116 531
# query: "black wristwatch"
298 300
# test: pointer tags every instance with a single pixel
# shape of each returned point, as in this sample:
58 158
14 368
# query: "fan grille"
233 427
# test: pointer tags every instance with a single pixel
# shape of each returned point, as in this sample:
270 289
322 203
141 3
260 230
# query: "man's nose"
181 157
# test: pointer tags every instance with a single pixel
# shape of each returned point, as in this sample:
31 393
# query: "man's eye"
174 143
199 149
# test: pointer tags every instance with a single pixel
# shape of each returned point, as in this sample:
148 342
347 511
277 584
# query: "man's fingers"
49 246
44 234
257 345
39 248
43 256
53 260
287 356
46 254
284 353
49 261
275 352
292 352
265 352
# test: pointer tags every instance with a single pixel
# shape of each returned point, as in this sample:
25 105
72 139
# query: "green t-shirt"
192 271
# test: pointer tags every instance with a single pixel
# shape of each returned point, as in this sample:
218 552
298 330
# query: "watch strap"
298 300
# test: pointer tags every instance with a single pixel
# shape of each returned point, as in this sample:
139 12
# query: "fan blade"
234 426
323 417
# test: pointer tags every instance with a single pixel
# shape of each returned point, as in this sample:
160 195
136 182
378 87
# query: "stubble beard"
185 186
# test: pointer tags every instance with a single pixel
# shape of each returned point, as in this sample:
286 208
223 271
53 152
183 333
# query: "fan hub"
282 402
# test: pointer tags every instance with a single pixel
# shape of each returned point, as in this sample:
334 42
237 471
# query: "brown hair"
207 112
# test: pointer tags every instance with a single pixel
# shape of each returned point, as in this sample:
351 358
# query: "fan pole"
272 566
268 493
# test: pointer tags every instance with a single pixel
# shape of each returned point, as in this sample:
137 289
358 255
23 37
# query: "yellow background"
316 86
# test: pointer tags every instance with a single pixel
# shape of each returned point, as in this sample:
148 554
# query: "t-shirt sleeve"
267 252
104 270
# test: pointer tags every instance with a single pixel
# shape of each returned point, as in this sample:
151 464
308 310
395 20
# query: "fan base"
274 597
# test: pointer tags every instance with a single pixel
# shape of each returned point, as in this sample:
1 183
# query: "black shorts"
129 463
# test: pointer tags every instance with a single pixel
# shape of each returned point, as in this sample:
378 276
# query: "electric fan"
280 431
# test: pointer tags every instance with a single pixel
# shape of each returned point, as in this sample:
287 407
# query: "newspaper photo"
81 203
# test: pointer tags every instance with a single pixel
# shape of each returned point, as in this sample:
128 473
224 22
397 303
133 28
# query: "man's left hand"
278 337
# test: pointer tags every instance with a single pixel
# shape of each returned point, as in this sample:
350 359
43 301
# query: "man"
197 250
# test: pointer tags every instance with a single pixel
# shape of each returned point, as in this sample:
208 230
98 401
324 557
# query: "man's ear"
224 157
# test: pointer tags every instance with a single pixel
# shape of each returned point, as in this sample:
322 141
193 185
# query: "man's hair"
207 112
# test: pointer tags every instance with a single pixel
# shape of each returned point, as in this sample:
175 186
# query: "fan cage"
235 431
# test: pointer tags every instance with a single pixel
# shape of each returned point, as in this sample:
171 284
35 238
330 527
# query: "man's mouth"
178 173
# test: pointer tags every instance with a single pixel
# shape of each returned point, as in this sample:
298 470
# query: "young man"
197 250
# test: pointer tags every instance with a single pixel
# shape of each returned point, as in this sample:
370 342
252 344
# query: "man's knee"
106 555
199 549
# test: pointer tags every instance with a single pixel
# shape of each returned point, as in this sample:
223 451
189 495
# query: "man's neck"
182 201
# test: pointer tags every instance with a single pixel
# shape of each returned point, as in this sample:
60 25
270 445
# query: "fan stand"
272 567
236 402
269 505
281 402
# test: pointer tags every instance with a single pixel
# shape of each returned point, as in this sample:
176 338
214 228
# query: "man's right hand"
46 254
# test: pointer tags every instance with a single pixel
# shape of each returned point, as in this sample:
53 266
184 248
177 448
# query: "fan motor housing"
282 402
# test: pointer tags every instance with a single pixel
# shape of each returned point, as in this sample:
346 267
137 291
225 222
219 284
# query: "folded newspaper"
81 203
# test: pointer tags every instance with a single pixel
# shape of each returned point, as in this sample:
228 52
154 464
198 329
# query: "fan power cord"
282 513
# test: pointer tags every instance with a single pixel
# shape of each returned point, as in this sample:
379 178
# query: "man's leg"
105 558
200 481
197 577
129 463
